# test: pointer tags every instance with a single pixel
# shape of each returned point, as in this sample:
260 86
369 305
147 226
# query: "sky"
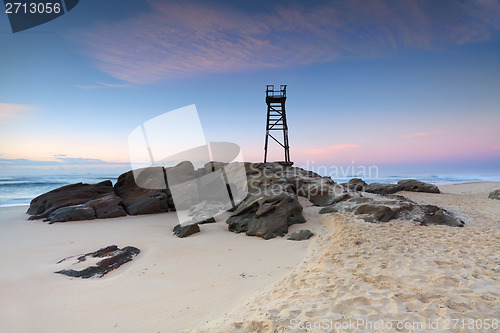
410 84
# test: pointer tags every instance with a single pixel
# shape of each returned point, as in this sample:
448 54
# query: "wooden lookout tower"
276 120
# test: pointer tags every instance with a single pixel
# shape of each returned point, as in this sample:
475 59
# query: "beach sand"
218 281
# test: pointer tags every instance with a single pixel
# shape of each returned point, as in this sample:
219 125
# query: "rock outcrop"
70 195
271 205
321 191
266 216
418 186
105 206
140 200
264 197
378 208
494 195
112 258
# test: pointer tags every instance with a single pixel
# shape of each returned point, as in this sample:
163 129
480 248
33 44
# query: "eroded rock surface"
379 208
68 195
418 186
271 205
105 206
143 200
381 188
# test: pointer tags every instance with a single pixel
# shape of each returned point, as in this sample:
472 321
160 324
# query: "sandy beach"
216 281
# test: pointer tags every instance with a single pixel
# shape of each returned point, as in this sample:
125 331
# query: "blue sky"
371 82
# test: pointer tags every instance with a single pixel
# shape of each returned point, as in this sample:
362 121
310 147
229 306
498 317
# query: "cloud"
497 147
185 39
102 85
414 135
332 149
10 111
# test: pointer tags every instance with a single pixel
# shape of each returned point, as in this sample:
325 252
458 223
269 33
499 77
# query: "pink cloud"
9 111
185 39
414 135
497 147
331 149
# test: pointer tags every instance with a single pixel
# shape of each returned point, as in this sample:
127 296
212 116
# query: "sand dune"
389 277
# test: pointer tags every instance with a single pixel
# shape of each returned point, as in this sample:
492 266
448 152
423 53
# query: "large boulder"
140 199
266 216
105 206
69 195
418 186
494 195
383 188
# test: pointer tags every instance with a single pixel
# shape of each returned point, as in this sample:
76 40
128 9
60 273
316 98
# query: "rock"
105 206
348 205
377 208
321 191
214 165
181 173
380 188
379 213
138 200
182 231
184 195
494 195
209 220
266 216
355 185
71 213
113 257
418 186
436 215
69 195
205 210
212 187
300 235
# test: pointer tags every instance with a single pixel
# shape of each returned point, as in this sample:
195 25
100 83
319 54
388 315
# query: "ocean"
20 190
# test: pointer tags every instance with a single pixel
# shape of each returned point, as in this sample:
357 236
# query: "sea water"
20 190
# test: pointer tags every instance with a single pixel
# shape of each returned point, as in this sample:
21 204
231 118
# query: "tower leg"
265 146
